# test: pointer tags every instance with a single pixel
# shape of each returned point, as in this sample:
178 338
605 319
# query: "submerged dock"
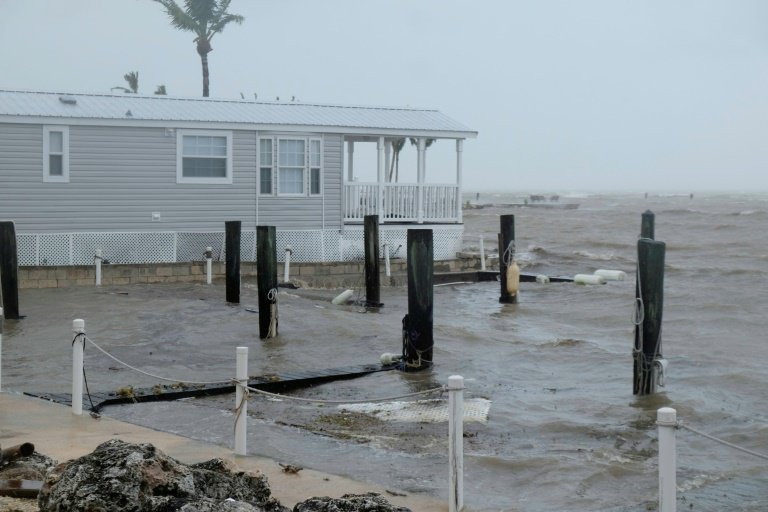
274 383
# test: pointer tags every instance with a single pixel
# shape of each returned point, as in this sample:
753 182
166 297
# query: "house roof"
140 110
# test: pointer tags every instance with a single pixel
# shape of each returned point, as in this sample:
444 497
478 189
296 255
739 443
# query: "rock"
125 477
31 467
371 502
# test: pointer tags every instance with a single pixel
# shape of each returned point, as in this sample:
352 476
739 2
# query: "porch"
402 203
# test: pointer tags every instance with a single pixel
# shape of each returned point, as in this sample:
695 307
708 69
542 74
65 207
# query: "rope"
680 424
205 383
361 401
638 317
407 337
94 411
509 253
243 400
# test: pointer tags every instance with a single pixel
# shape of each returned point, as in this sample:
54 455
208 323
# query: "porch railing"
400 202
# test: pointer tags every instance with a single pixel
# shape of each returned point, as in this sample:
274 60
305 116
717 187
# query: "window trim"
47 177
180 178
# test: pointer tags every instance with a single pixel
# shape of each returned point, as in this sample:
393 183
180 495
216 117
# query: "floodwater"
564 430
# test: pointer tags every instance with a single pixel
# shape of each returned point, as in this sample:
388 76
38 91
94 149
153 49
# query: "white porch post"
459 163
387 159
350 160
380 176
420 179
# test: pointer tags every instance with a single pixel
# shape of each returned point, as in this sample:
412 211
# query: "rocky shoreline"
127 477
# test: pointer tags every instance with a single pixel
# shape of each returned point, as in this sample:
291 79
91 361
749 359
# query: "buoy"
611 275
343 297
542 279
513 278
588 279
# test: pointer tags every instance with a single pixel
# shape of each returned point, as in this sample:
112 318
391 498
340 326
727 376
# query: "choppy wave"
750 212
605 256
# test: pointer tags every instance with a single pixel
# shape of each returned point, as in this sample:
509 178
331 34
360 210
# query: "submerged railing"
402 202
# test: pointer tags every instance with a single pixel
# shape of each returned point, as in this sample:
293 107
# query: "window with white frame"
204 157
290 166
56 154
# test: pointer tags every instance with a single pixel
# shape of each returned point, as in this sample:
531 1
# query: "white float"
343 297
588 279
611 275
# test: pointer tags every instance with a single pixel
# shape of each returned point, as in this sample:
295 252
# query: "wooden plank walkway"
274 383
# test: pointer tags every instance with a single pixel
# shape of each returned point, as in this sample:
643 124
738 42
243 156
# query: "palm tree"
161 90
132 77
204 18
394 168
427 143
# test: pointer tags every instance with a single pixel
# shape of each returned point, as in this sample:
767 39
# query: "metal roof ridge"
163 97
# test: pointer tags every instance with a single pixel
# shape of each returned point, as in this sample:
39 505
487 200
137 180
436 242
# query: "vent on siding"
68 100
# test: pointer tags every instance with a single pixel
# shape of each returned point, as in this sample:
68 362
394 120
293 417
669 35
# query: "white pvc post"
98 267
78 329
287 273
482 254
208 264
1 348
242 380
386 260
666 419
456 443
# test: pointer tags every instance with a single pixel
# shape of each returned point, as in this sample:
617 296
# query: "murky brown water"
564 431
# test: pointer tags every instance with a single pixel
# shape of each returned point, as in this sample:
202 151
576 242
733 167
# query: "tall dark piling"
232 249
647 225
650 302
371 241
9 270
417 324
266 279
506 255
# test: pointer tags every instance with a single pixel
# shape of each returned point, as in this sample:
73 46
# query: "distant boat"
550 206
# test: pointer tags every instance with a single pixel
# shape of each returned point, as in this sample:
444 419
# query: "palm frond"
218 25
180 18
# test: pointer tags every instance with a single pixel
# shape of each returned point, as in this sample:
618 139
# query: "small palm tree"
161 90
427 143
132 77
394 167
204 18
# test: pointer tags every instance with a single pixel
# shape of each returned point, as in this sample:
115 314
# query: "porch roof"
136 109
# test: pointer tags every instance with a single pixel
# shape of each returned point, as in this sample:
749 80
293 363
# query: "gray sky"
645 95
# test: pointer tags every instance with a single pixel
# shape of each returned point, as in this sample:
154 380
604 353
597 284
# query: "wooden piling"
266 279
647 227
9 271
506 255
371 241
650 295
232 249
417 325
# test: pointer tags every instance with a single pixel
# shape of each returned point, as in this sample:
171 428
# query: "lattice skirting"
43 249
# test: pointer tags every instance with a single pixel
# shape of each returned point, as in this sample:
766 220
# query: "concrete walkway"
57 433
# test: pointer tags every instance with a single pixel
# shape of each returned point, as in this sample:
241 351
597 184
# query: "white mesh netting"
168 246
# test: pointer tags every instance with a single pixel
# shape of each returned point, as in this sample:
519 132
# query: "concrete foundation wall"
309 275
